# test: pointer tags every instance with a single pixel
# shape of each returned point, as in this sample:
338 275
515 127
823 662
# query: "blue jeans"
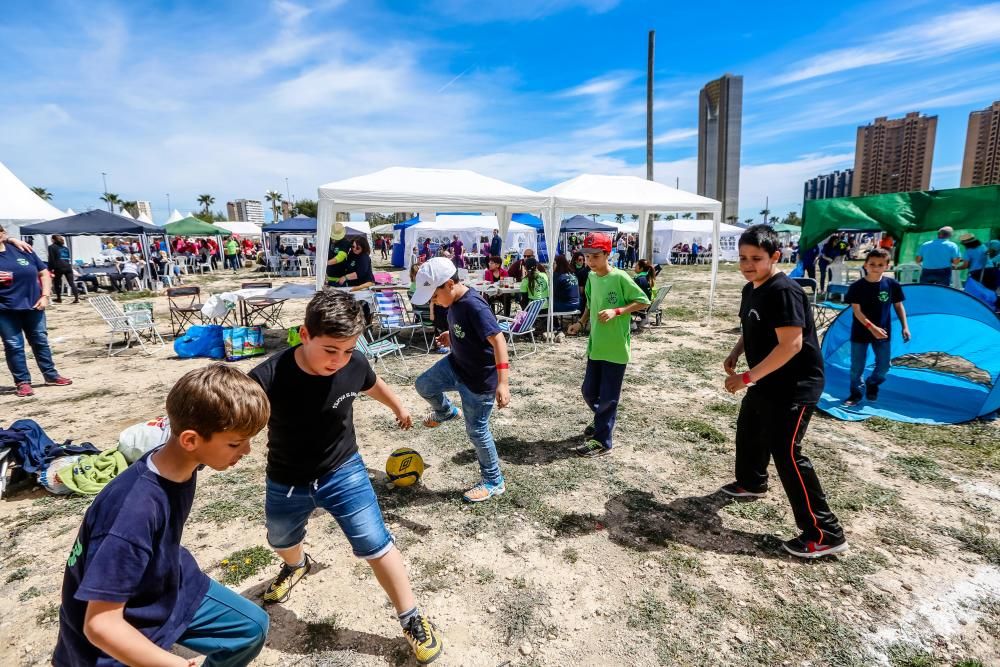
936 277
227 629
476 408
32 324
346 493
602 388
859 355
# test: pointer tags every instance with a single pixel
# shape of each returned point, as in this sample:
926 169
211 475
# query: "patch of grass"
87 395
969 662
759 512
866 497
48 615
18 574
28 594
135 296
695 430
431 575
648 613
726 408
684 593
245 563
698 362
517 613
893 535
682 313
974 446
485 575
224 510
989 619
570 555
48 508
798 632
322 635
975 537
921 469
902 654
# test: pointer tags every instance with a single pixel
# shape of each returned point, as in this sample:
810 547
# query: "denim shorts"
346 493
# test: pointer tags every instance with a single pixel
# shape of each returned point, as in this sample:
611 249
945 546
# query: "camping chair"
261 309
304 265
824 312
183 314
133 325
907 274
656 305
392 317
376 349
522 326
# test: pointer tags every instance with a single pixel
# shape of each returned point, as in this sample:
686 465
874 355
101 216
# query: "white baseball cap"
434 273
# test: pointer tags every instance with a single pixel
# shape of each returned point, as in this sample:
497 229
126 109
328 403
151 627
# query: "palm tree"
774 220
206 201
274 197
687 216
131 206
112 200
765 212
43 193
619 218
635 216
748 221
671 217
594 216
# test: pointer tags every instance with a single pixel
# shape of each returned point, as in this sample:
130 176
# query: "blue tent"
93 223
300 224
399 247
948 373
536 222
581 223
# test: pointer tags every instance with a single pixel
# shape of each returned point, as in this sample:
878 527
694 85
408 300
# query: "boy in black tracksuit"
784 383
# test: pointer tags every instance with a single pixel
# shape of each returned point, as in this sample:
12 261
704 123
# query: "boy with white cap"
477 367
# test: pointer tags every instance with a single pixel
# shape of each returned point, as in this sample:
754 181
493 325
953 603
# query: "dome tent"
947 374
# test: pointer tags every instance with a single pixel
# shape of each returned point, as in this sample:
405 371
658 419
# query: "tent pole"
715 261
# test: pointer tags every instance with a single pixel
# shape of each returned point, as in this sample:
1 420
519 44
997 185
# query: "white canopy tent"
589 193
20 206
241 227
668 233
174 217
421 191
469 229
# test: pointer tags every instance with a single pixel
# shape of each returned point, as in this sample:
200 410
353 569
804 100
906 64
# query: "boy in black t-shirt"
873 298
131 591
785 381
313 459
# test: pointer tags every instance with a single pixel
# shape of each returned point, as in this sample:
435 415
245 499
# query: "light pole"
168 204
104 177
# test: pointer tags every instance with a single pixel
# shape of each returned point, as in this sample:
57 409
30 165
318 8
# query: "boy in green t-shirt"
611 296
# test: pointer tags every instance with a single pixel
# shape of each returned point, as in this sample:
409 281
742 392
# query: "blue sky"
231 98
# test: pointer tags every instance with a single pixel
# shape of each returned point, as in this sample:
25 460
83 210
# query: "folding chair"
181 313
656 305
261 309
521 327
133 325
377 349
392 317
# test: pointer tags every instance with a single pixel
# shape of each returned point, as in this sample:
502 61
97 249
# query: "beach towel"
93 472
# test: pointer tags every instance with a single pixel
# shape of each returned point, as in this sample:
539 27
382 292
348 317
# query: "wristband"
618 311
503 367
746 379
868 324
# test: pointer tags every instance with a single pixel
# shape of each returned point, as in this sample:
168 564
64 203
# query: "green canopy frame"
976 210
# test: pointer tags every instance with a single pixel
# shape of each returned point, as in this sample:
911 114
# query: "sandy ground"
633 559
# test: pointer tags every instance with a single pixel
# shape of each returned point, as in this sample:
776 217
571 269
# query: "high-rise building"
144 208
894 155
249 210
720 118
981 165
827 186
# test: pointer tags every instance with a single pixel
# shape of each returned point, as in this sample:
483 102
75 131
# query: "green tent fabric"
903 213
191 226
93 472
784 228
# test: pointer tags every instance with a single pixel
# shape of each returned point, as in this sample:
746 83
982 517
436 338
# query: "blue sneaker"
434 422
484 491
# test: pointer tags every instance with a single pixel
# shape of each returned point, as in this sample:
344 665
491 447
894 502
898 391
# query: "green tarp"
976 210
191 226
784 228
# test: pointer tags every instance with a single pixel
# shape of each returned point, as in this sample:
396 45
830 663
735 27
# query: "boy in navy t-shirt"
477 367
873 298
131 591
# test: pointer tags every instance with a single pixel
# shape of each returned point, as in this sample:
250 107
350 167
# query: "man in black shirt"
313 460
784 383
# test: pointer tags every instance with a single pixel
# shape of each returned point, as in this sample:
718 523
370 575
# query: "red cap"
597 242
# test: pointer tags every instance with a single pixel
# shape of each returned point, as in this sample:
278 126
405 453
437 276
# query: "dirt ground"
632 559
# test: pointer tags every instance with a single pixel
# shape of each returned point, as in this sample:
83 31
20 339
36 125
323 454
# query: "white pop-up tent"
20 206
241 227
589 193
421 191
469 229
174 217
668 233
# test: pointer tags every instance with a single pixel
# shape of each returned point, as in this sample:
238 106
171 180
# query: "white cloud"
601 86
476 11
781 183
936 37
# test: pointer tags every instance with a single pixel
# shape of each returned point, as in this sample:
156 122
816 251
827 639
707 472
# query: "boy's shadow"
636 520
291 635
525 452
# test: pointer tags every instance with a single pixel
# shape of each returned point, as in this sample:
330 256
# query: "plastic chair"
377 349
133 325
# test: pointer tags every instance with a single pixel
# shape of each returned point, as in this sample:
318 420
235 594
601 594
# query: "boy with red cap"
611 296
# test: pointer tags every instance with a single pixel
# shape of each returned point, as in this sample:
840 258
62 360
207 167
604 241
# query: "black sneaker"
852 400
800 547
736 491
871 393
281 588
589 431
591 449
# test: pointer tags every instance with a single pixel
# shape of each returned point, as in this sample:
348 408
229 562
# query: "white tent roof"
144 218
19 205
589 193
70 211
473 223
682 225
240 227
174 217
421 191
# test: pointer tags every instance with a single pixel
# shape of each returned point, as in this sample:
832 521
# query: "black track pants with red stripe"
766 428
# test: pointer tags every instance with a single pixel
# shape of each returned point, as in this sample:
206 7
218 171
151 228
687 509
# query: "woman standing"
61 265
25 287
359 265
